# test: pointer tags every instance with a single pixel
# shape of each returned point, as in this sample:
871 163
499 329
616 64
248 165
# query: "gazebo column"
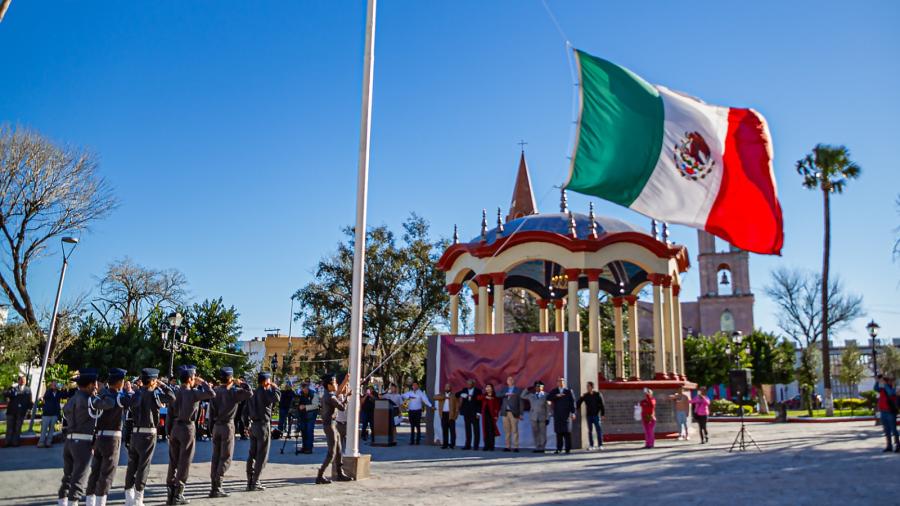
544 315
620 338
453 289
477 316
634 339
489 317
659 345
482 280
558 314
679 341
572 299
593 276
499 316
668 335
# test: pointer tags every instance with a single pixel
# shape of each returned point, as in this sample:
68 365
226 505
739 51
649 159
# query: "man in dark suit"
563 401
18 398
470 408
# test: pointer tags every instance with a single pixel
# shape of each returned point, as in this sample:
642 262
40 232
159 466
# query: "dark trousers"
367 423
333 458
342 433
103 465
308 429
563 434
182 446
701 421
140 454
415 426
473 431
593 422
260 437
14 428
222 451
490 435
448 430
76 461
283 419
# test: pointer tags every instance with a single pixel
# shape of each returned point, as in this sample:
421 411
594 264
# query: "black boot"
249 483
217 491
889 447
178 497
896 444
321 479
340 476
170 494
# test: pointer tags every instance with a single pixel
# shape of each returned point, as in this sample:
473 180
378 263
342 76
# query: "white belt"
110 433
144 430
80 437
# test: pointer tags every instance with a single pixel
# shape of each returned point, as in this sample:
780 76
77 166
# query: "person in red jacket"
490 412
648 417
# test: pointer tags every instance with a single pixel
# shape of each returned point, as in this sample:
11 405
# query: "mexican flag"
672 157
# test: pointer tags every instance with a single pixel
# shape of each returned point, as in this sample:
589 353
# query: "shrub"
726 407
870 397
850 403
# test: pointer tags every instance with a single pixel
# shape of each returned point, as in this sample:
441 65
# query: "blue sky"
229 132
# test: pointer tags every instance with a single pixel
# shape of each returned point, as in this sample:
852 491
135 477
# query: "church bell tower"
726 300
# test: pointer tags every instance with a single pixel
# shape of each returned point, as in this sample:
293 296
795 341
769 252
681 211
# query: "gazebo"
554 256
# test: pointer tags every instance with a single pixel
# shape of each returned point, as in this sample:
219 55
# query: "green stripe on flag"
620 132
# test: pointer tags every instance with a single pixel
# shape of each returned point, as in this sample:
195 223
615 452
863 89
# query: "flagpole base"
358 467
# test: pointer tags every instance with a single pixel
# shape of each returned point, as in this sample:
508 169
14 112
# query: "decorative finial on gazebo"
563 202
593 221
665 233
572 231
484 224
499 222
455 234
653 230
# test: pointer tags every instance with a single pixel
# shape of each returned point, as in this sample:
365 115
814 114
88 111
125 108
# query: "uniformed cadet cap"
326 379
263 376
226 372
149 373
186 371
86 377
115 374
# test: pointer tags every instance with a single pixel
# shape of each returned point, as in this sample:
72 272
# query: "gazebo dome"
558 223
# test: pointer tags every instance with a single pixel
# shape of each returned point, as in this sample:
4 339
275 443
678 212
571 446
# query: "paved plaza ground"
821 464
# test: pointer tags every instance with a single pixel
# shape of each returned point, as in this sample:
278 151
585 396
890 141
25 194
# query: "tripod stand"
743 439
291 434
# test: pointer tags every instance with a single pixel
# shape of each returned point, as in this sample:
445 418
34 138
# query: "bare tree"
129 292
46 191
797 294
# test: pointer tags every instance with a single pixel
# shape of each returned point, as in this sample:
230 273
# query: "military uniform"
144 407
260 411
79 415
223 409
183 413
330 404
107 440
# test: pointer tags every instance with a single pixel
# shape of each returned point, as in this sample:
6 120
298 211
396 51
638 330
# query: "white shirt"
395 398
447 396
416 399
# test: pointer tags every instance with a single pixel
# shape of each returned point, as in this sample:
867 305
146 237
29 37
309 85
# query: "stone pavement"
820 464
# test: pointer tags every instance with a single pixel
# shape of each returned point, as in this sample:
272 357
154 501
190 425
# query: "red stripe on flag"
746 212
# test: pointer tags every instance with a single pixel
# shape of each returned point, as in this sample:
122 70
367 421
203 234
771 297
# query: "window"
726 322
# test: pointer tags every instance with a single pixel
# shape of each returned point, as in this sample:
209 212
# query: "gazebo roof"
558 223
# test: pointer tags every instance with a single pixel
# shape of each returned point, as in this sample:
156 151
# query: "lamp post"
174 336
873 327
72 242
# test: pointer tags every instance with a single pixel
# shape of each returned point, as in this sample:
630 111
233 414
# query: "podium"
383 431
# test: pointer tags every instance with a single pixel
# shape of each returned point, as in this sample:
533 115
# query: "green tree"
772 362
18 346
808 373
212 333
708 359
828 169
405 299
889 361
852 368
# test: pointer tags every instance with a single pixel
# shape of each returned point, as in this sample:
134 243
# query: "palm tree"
827 168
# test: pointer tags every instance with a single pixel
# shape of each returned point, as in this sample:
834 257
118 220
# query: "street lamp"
174 337
873 327
71 243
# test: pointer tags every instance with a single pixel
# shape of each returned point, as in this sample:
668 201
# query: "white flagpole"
362 183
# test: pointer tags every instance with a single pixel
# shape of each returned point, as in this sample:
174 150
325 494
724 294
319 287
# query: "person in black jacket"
593 411
563 401
18 398
470 408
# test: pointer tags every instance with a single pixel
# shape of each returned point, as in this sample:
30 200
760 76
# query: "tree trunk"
763 401
826 347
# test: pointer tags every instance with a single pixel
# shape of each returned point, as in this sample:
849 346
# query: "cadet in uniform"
222 409
330 403
107 438
79 415
144 407
260 408
183 413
